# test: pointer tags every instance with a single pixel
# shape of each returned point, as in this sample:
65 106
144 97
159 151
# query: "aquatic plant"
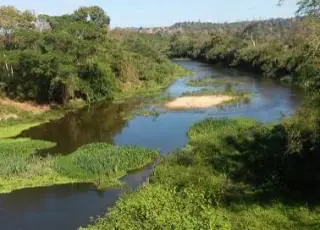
16 155
210 81
98 161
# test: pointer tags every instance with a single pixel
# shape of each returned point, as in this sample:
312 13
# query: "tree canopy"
93 14
76 58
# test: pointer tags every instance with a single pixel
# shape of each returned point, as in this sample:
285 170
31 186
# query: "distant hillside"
271 28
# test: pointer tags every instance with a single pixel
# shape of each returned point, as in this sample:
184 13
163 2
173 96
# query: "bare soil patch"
25 106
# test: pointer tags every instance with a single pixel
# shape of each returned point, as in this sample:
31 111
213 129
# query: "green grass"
15 155
101 164
20 168
200 187
14 130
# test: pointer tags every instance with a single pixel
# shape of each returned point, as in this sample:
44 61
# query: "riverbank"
225 178
106 123
18 116
22 167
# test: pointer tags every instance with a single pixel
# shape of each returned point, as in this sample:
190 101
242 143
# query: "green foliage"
78 58
230 176
156 207
93 14
103 160
292 52
309 7
102 164
11 18
16 155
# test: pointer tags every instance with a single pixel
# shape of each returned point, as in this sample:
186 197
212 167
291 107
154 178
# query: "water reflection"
167 131
99 123
63 207
68 206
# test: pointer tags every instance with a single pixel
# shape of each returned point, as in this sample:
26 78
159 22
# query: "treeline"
61 58
290 52
262 29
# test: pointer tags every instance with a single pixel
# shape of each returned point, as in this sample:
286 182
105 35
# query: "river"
70 206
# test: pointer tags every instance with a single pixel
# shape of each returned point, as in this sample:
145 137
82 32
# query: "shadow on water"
98 123
63 207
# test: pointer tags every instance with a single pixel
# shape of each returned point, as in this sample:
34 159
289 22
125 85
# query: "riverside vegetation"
240 174
63 61
22 167
101 164
72 57
233 174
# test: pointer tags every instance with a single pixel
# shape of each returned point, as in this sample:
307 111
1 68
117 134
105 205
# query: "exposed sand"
197 102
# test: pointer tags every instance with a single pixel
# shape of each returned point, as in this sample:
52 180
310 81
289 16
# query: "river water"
70 206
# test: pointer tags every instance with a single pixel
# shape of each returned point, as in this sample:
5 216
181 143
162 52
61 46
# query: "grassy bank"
101 164
97 163
15 116
228 177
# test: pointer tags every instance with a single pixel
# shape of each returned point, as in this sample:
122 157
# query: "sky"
151 13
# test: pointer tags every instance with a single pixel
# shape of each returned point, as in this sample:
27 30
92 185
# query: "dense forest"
276 28
57 59
289 53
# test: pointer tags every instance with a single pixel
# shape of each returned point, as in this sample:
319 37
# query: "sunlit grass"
101 164
14 130
100 161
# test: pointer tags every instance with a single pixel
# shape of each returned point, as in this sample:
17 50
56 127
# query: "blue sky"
165 12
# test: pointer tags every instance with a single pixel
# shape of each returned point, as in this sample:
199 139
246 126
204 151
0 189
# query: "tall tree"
93 14
307 7
11 19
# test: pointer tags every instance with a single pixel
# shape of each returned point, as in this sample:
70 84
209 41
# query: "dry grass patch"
25 106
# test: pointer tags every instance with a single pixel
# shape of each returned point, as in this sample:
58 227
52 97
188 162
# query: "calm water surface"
69 206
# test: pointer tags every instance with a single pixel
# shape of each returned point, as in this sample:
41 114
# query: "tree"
11 18
307 7
93 14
